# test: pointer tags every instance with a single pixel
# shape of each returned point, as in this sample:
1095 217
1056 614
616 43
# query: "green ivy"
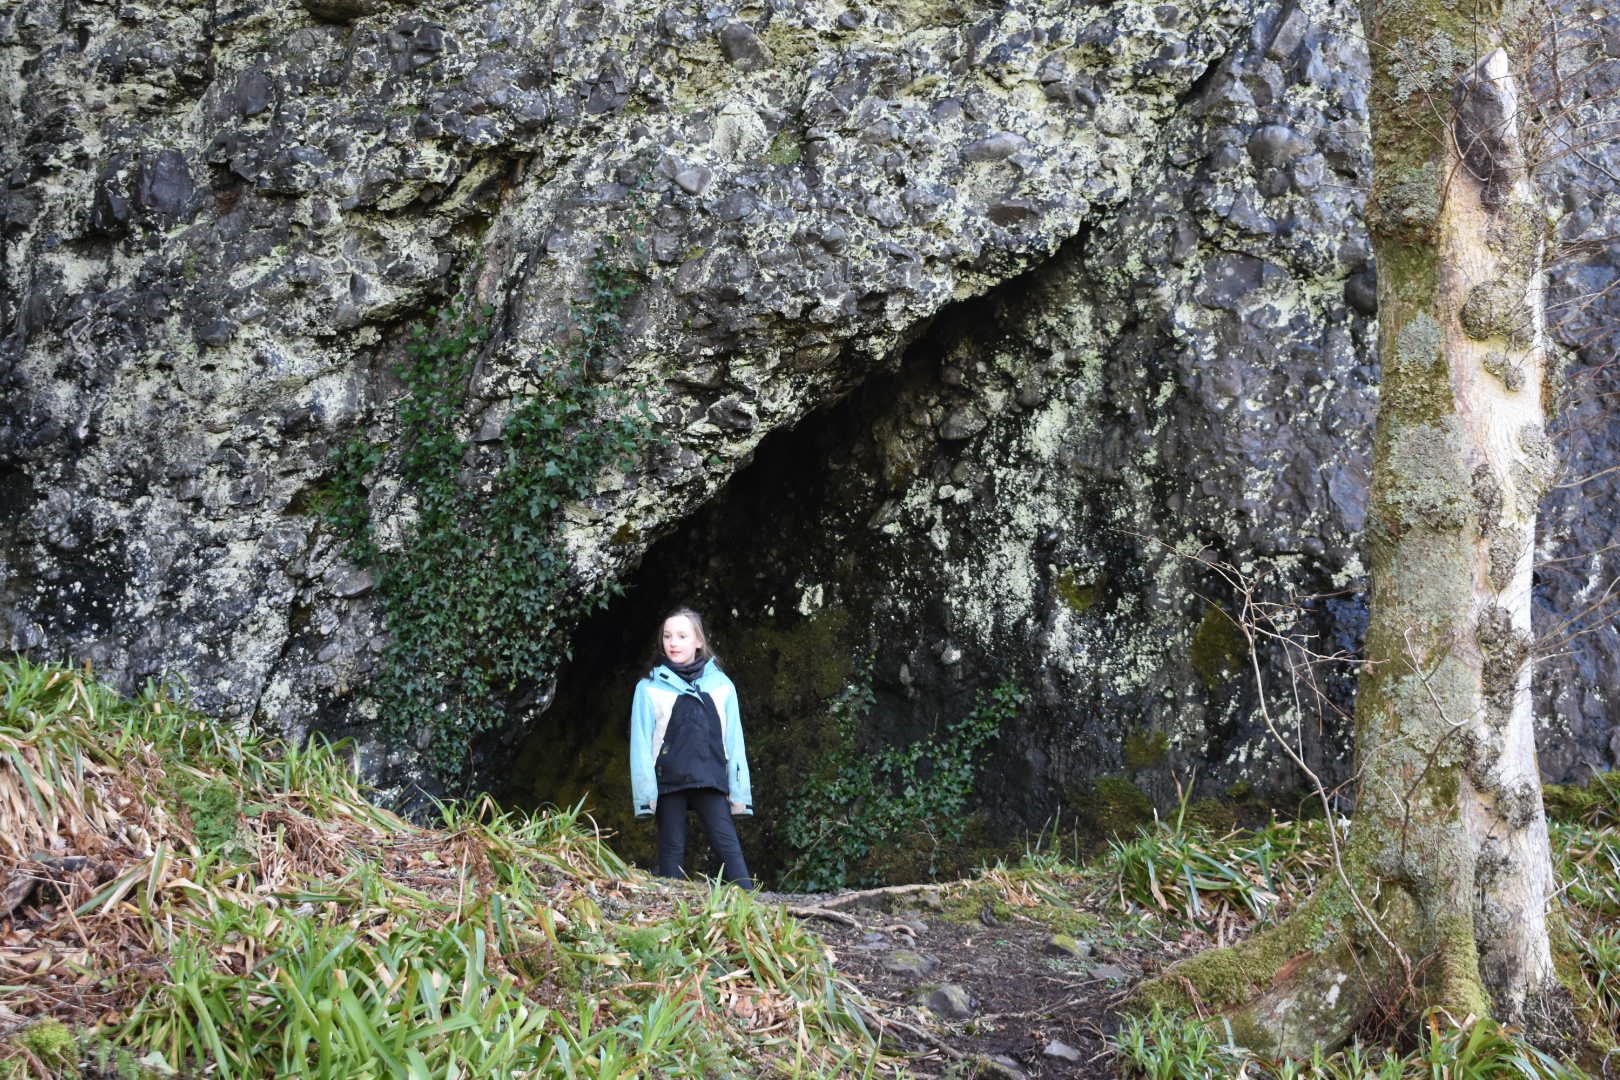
347 511
863 801
477 597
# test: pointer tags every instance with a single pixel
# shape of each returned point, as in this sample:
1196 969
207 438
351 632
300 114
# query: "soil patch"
971 982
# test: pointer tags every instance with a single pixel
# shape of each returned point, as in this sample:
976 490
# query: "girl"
686 749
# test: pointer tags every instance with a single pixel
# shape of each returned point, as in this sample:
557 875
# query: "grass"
199 901
1182 869
1168 1046
1188 877
180 899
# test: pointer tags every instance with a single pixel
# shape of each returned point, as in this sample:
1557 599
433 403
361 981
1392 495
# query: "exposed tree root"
1318 978
850 899
1284 990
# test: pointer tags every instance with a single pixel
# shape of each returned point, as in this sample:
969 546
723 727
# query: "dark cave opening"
800 602
735 560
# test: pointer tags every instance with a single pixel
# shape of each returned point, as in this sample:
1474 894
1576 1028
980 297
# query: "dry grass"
190 899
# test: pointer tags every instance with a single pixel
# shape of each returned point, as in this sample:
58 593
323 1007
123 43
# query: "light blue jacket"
649 718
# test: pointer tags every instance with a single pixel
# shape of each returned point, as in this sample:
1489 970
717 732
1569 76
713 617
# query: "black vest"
693 754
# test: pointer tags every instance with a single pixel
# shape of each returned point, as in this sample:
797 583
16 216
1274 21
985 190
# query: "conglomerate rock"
219 219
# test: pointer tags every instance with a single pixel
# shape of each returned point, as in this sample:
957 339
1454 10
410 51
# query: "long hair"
705 649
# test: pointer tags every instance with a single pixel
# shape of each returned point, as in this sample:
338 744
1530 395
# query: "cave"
1023 578
776 565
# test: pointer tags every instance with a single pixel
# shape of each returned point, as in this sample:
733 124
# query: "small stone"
833 239
1289 35
666 248
1116 122
349 581
1227 279
1361 291
729 414
743 47
1001 1066
217 332
1110 972
963 424
736 206
909 962
997 147
164 185
694 180
1064 945
247 491
1276 145
1013 211
951 1002
1062 1051
253 94
341 11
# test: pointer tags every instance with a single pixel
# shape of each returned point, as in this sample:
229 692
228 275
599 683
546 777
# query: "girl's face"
681 639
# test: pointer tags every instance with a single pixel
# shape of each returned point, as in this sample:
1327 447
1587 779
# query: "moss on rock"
1145 749
1080 596
1114 806
53 1043
793 669
785 149
1218 647
1288 978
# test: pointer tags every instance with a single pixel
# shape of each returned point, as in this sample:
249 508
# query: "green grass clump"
1190 873
1584 823
1170 1046
243 911
1595 803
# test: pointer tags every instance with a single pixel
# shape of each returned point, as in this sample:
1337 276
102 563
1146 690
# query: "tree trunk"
1446 880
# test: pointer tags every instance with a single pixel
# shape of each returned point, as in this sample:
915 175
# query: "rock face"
1044 309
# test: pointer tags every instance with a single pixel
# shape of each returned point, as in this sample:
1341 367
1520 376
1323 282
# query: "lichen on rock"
221 221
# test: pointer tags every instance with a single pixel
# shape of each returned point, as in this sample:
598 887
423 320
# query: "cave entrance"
746 561
803 598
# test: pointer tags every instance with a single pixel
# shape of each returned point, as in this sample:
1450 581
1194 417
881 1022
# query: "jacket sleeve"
643 779
741 792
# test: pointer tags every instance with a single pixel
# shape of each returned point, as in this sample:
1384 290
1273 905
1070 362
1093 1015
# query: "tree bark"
1446 880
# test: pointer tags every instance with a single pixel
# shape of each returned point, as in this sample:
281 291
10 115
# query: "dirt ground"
1033 1008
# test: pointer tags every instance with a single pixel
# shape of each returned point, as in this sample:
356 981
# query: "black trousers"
714 811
